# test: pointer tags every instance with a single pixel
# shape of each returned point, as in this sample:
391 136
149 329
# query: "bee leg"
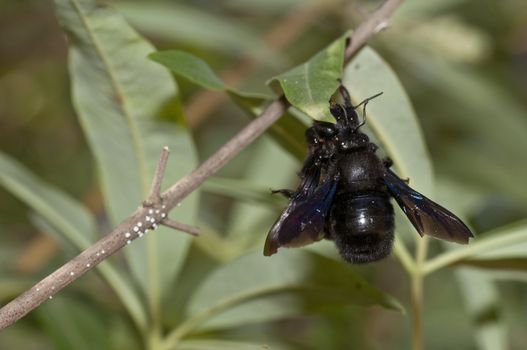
284 192
388 162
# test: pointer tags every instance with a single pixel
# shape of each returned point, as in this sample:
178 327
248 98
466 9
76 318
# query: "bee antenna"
366 100
364 104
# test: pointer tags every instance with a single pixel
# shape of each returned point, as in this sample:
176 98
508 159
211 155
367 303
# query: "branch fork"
147 217
154 201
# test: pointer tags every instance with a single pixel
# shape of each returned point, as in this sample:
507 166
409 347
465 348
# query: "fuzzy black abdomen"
362 225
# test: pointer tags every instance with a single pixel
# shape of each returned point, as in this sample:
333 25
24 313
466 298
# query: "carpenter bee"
344 195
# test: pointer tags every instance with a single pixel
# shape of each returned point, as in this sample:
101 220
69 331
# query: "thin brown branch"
193 230
190 182
375 23
147 218
159 174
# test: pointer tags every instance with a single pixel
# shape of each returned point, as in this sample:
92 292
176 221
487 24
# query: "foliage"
218 291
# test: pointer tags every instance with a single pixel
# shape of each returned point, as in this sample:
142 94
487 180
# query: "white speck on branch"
155 205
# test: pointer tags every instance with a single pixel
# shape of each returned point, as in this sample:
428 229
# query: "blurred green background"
463 64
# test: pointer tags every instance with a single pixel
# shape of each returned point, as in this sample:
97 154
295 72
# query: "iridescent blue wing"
427 216
302 221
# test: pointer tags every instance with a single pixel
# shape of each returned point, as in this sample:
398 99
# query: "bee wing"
427 216
302 221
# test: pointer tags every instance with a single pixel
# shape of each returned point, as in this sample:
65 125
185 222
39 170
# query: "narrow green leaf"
189 66
508 264
309 86
288 131
118 93
71 220
480 293
482 300
503 243
179 22
217 344
269 7
69 216
493 156
71 324
502 254
221 299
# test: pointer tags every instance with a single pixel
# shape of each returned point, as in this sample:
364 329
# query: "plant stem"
417 310
417 293
154 339
399 249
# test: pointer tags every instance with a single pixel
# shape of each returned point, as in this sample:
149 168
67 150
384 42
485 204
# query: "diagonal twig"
181 227
155 190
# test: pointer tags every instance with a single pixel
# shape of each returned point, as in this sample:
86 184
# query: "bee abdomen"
362 226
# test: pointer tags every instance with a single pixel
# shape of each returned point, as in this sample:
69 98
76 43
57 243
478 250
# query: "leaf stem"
399 249
417 293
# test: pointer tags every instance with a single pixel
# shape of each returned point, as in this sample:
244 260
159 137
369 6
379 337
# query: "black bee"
344 195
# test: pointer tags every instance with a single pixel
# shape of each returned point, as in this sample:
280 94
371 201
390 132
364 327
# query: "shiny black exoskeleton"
345 191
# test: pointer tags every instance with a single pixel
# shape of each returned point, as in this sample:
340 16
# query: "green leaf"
225 299
71 220
66 214
508 264
71 324
119 94
492 156
309 86
217 344
504 243
288 131
189 66
480 293
482 300
502 254
178 22
269 7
